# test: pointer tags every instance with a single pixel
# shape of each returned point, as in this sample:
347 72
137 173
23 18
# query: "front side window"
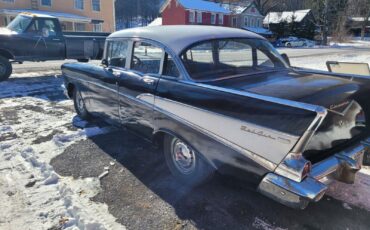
43 27
146 58
117 53
217 59
96 5
79 4
46 3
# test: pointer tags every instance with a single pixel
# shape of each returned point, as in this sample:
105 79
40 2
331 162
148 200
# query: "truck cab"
39 37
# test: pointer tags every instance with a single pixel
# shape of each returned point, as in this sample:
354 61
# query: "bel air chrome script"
264 134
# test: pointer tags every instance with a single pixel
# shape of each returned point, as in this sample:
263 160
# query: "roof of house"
258 30
177 38
156 22
199 5
239 8
286 16
42 13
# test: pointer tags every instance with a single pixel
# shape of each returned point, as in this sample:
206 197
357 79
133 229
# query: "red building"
194 12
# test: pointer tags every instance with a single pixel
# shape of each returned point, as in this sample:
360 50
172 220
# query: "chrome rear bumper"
342 166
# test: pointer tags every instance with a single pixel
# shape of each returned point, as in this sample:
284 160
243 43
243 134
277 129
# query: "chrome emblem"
264 134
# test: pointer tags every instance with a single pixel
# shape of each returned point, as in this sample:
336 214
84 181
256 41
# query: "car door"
103 95
46 39
137 87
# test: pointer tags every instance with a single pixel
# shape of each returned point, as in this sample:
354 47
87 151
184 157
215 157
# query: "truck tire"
6 68
83 60
79 104
185 163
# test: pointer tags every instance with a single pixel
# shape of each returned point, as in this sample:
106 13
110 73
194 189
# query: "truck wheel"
185 163
79 105
83 60
5 68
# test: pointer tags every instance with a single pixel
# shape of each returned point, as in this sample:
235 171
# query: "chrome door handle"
148 81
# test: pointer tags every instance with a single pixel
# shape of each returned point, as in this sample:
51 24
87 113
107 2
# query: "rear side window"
170 68
146 58
117 53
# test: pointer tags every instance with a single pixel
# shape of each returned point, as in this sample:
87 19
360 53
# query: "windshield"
19 24
217 59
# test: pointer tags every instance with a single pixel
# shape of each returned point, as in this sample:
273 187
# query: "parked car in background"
294 42
38 37
224 99
300 42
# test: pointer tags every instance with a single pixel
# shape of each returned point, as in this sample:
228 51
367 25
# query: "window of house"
191 16
199 17
98 27
79 4
252 23
213 18
46 3
246 21
80 27
146 58
96 5
117 53
235 22
221 19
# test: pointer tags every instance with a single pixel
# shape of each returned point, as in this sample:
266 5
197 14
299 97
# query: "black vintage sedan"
224 99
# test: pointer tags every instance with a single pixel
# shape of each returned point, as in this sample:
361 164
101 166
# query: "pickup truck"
224 99
38 37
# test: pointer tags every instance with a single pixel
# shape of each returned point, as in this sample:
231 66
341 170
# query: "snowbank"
33 130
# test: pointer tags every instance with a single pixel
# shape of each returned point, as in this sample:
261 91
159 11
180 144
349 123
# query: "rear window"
216 59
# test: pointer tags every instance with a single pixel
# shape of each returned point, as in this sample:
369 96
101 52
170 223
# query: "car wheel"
83 60
79 105
289 45
185 163
5 68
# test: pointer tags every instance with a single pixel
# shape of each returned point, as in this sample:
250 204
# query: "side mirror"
104 62
286 58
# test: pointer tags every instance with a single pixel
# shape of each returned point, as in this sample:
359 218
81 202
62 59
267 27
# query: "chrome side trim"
295 104
248 137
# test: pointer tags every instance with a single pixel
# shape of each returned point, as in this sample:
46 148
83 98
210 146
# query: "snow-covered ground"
34 128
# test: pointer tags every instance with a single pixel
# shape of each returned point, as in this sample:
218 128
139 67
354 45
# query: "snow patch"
32 194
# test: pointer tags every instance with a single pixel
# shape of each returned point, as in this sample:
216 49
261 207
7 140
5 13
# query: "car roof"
179 37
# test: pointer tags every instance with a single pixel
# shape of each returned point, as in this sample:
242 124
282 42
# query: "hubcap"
183 157
80 103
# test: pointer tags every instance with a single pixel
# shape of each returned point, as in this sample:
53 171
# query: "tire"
6 69
79 105
192 172
83 60
289 45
